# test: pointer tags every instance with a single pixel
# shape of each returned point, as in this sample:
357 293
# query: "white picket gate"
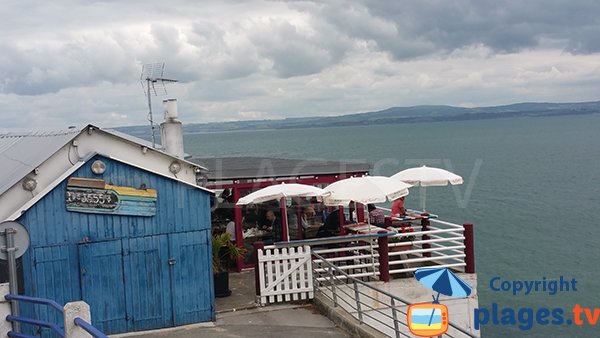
285 274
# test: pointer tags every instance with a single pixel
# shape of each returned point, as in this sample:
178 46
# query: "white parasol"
280 192
365 190
427 177
277 191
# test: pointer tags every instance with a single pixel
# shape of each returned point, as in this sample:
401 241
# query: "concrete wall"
5 310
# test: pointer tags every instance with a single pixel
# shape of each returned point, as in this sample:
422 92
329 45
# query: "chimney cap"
170 106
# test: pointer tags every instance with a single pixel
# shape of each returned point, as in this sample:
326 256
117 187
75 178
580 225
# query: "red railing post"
469 248
257 246
237 218
384 258
360 212
342 221
425 227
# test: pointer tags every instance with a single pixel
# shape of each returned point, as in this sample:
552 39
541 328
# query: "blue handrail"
35 300
30 321
19 335
57 329
89 328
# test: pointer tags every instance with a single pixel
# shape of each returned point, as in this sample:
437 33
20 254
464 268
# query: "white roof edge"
79 131
132 140
46 190
156 173
74 168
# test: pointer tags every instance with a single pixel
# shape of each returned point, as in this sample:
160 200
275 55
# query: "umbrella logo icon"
431 319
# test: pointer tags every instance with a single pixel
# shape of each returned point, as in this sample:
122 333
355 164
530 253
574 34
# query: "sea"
531 189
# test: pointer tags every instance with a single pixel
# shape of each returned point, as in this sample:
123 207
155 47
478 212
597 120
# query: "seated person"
308 218
376 216
398 207
320 210
274 224
251 216
226 196
311 221
332 224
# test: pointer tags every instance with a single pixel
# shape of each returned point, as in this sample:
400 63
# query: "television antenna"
152 73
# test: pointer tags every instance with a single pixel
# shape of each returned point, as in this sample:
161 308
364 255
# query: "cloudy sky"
68 62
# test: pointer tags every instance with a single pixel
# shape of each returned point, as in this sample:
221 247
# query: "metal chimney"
171 131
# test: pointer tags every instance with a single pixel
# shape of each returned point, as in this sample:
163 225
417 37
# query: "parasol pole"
284 227
371 239
423 193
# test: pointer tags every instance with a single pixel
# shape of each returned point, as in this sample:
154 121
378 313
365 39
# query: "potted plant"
224 251
406 237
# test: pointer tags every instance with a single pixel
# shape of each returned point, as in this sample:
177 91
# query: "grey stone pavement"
238 316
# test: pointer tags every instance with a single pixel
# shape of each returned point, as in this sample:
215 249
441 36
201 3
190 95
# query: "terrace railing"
379 309
436 243
368 257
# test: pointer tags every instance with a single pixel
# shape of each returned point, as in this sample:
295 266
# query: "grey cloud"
294 52
60 60
166 38
49 68
409 29
215 58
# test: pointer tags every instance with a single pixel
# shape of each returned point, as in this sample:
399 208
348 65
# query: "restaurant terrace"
243 175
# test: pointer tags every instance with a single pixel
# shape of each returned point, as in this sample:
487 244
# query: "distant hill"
393 115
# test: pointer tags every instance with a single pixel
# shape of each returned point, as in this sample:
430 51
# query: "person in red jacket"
398 207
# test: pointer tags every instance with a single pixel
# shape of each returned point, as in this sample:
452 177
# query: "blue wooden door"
102 285
55 276
147 282
192 280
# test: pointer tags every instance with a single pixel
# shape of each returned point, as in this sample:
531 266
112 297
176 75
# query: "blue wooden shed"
136 272
132 243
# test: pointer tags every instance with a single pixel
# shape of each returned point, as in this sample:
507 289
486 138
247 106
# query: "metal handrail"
19 335
41 323
57 329
325 277
334 267
35 300
393 298
450 224
89 328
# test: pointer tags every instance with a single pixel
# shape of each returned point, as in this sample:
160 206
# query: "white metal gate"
285 274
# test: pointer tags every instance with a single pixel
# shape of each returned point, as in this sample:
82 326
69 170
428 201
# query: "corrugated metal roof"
20 153
230 168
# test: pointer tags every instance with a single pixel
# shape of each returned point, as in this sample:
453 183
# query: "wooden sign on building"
90 195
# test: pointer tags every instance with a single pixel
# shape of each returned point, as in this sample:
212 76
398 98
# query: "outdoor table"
412 215
363 228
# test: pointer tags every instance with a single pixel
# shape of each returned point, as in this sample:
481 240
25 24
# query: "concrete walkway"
291 321
238 316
